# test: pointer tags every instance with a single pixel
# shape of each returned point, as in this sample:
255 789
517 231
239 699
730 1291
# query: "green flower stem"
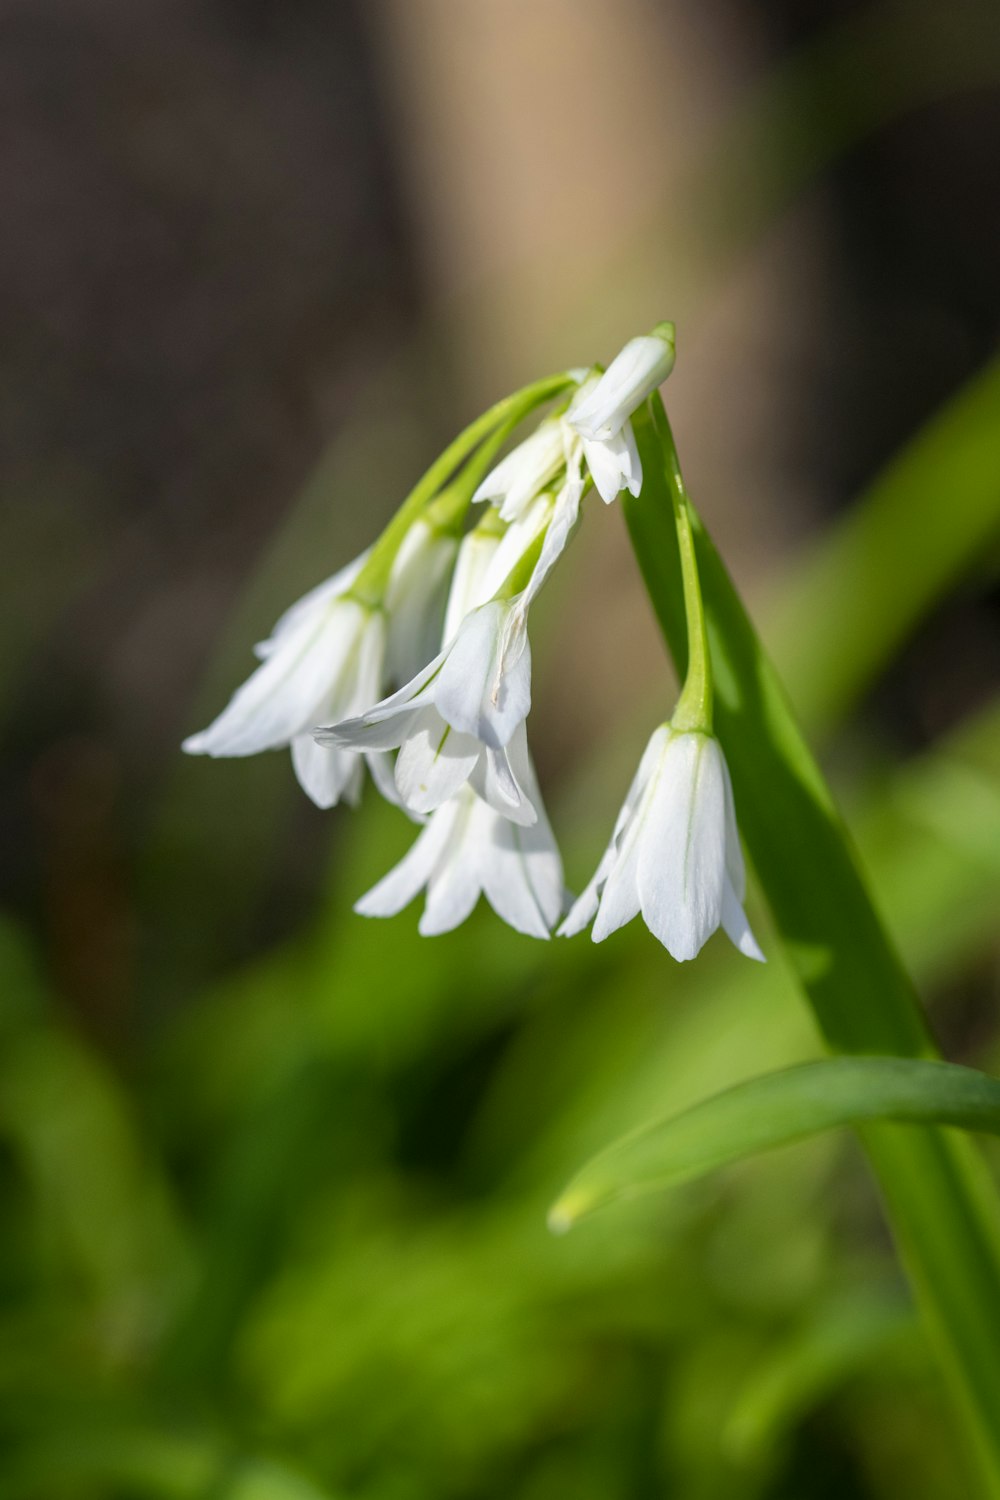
942 1207
694 706
491 430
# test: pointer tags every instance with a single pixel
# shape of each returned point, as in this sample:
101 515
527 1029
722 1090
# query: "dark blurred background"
259 259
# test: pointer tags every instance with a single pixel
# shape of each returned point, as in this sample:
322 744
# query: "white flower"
613 461
526 470
674 854
461 719
326 658
557 449
468 849
632 375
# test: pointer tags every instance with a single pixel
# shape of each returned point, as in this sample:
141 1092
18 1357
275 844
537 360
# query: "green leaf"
776 1110
940 1203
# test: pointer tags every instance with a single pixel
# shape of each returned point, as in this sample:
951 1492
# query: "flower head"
675 852
467 849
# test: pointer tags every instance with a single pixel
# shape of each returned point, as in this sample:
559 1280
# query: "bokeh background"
273 1179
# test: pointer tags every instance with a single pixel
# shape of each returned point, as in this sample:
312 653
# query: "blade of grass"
777 1109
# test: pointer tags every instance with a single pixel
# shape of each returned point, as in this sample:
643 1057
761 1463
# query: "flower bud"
642 365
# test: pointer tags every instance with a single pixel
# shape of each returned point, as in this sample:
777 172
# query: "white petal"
385 725
407 696
516 540
328 772
360 682
279 700
681 869
614 464
525 471
323 771
468 589
500 778
358 734
736 926
632 464
620 897
635 372
585 906
505 879
620 900
605 469
454 886
434 761
564 518
484 685
398 888
539 854
414 599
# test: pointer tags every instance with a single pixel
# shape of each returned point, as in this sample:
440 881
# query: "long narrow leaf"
942 1209
776 1110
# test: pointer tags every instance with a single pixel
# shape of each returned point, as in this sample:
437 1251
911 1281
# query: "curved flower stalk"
467 849
330 656
675 853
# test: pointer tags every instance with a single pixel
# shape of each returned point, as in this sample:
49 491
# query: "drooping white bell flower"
613 462
467 849
675 852
325 659
461 719
458 716
632 375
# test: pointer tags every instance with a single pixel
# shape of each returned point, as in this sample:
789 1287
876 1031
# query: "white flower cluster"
457 724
